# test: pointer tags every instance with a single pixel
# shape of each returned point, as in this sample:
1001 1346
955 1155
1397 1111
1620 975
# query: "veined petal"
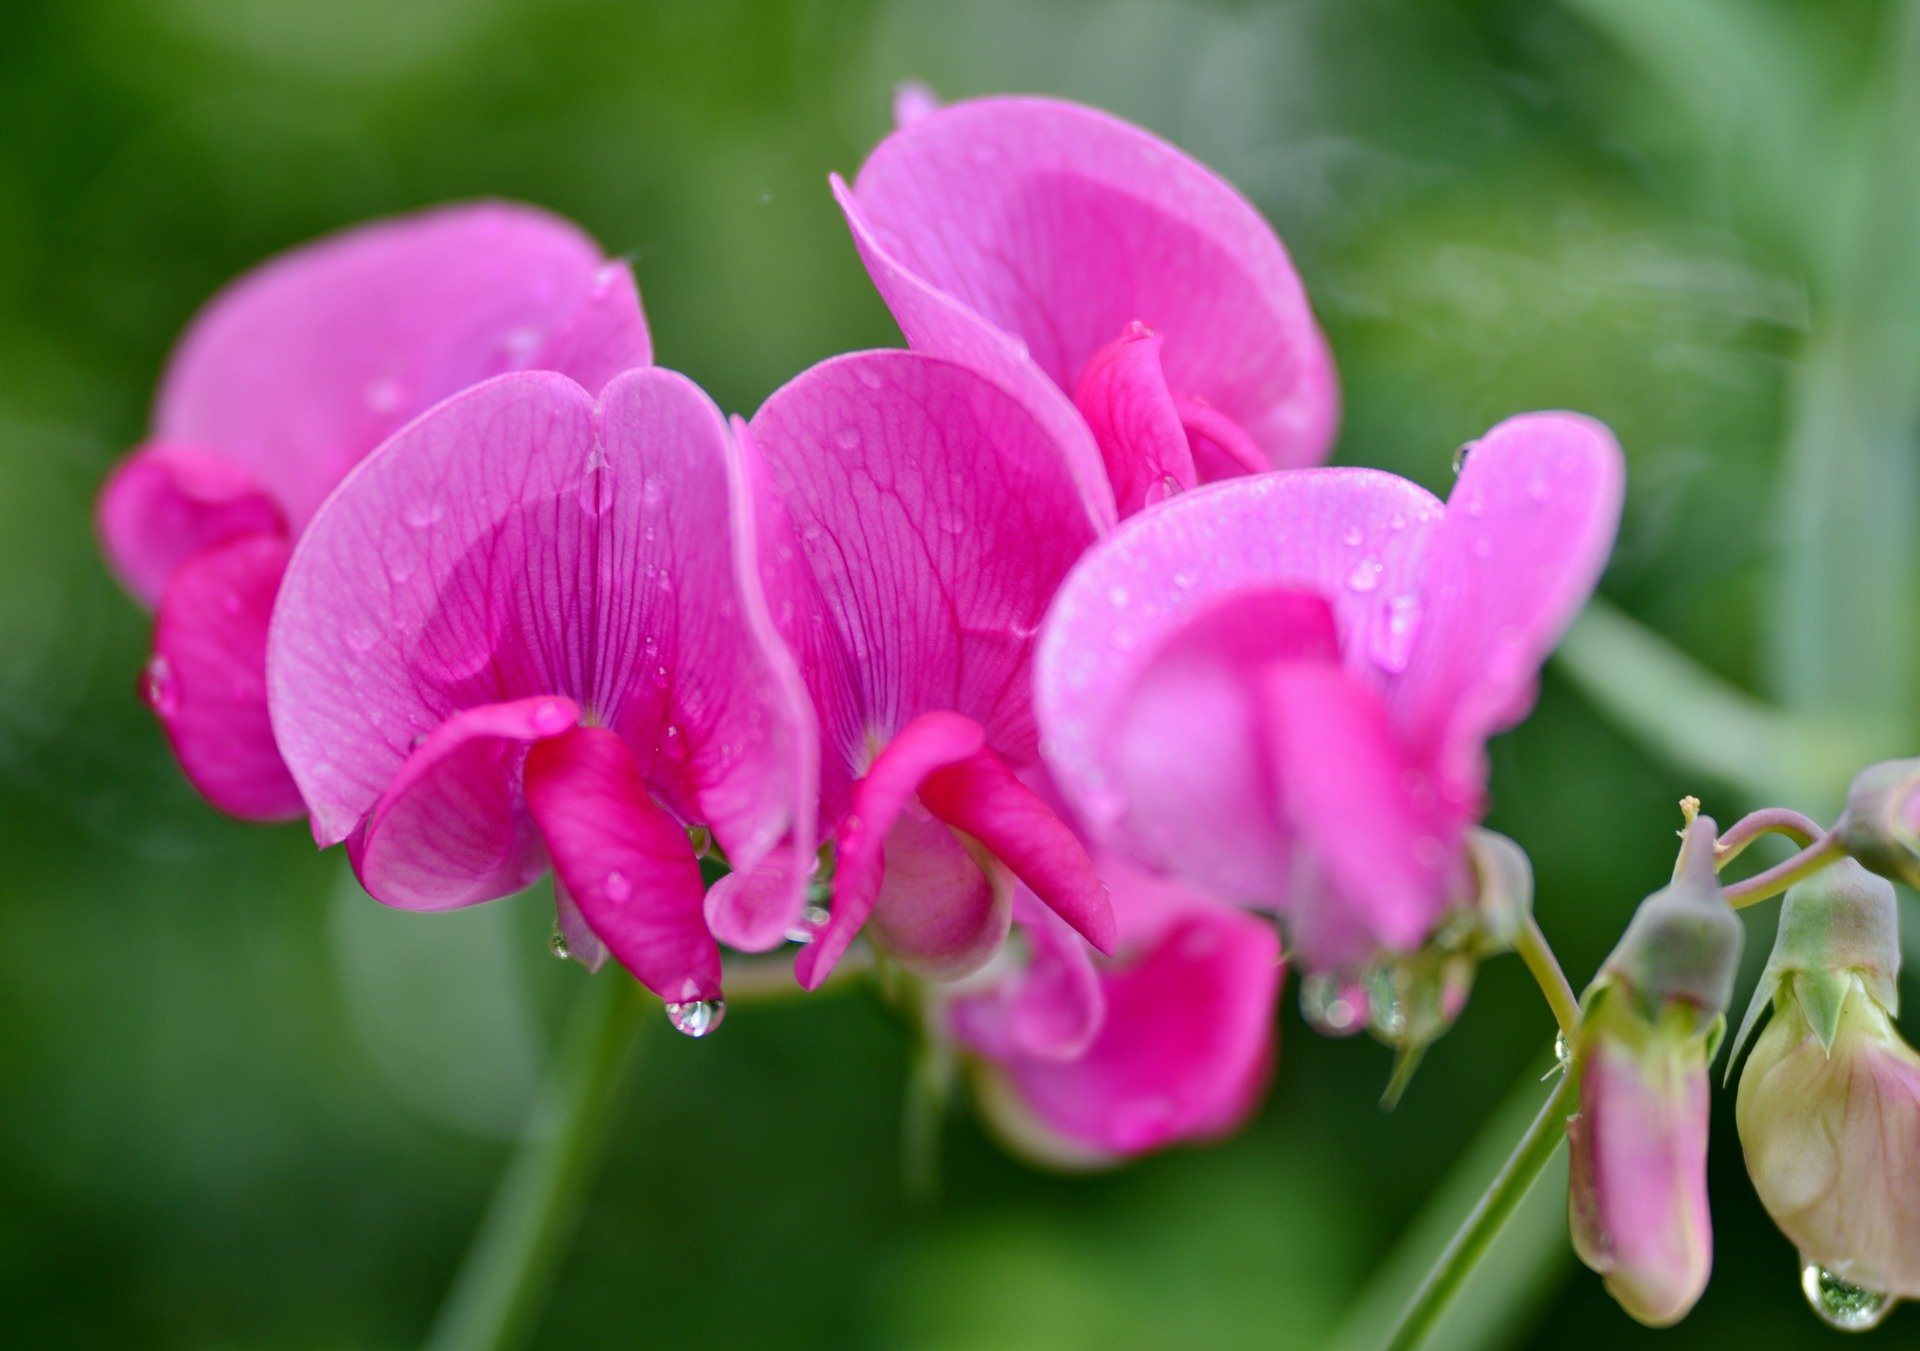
1123 395
1059 225
207 681
627 865
451 828
1525 537
166 502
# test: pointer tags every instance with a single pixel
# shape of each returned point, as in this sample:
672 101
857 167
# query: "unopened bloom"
1881 825
1135 301
1829 1105
280 386
933 516
1280 688
1083 1061
1637 1186
530 630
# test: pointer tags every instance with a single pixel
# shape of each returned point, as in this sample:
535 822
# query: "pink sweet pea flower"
529 630
1135 301
281 385
933 517
1085 1063
1280 688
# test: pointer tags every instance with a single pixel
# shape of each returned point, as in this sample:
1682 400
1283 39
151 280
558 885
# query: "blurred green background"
243 1106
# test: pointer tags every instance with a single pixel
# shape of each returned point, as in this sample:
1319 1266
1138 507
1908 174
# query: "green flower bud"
1881 825
1683 943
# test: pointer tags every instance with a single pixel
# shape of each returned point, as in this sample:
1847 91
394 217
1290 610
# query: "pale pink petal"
893 779
451 828
627 865
1123 395
1060 225
166 502
207 681
944 906
1526 534
307 363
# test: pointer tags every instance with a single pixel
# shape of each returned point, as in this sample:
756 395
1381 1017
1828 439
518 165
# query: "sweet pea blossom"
1083 1062
1137 303
933 516
530 630
280 386
1279 688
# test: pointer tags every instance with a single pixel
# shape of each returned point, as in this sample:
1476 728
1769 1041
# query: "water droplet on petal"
847 438
420 515
596 488
1539 489
1460 455
1353 536
1842 1304
158 688
701 839
551 717
1483 547
1393 637
813 918
1562 1052
617 887
1119 595
1365 575
383 395
697 1017
557 945
1334 1006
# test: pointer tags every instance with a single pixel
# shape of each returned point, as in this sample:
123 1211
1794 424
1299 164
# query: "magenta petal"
1122 393
1058 225
1061 1001
166 502
626 864
1378 847
980 795
450 829
1352 536
890 783
606 335
944 906
307 363
207 681
1525 537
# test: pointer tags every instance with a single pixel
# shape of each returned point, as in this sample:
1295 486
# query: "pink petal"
1123 395
1525 538
207 680
924 745
979 795
1060 225
307 363
1352 536
1183 1052
1379 840
938 517
451 829
168 501
606 335
625 863
944 905
913 101
1051 1009
520 541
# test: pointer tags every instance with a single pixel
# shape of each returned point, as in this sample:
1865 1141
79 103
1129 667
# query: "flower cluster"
1034 660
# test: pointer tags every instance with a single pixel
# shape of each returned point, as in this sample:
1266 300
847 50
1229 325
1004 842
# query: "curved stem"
1483 1224
1538 955
509 1268
1827 849
1802 830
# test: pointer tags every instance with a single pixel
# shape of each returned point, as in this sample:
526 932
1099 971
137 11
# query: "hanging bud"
1881 825
1637 1185
1829 1103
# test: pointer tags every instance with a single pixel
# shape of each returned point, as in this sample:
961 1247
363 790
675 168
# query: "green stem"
1761 886
1535 951
1483 1224
510 1267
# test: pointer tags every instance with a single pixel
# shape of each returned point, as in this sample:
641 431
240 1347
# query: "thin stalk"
1802 830
509 1269
1483 1224
1761 886
1535 951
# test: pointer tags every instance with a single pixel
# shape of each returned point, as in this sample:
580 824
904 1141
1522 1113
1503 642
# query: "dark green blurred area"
243 1106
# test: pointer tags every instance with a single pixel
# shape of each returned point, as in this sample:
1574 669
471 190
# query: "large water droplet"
813 918
1365 575
697 1017
1842 1304
1168 486
1332 1005
1562 1052
1460 455
158 688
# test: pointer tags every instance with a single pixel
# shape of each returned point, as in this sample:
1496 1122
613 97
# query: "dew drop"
551 717
696 1017
362 637
701 840
1332 1005
402 566
1539 489
595 485
847 438
1842 1304
1365 575
1460 455
1393 638
651 493
1119 595
420 515
557 945
158 688
1483 547
812 920
383 395
617 887
1353 536
1169 486
1562 1052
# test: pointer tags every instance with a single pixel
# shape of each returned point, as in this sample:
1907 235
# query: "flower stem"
1827 849
1802 830
1477 1232
509 1268
1535 951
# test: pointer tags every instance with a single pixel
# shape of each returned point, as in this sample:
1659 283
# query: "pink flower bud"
1881 826
1637 1190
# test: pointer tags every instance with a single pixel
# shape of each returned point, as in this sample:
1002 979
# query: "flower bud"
1637 1181
1881 825
1829 1103
1682 946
